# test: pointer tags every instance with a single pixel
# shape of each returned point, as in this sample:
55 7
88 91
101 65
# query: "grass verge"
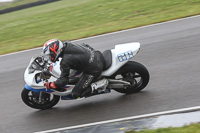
73 19
193 128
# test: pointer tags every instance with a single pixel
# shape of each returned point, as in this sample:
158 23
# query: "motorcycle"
123 75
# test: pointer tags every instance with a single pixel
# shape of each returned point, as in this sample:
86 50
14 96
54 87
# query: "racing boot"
99 86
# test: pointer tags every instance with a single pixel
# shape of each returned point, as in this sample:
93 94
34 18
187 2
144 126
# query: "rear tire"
136 74
31 99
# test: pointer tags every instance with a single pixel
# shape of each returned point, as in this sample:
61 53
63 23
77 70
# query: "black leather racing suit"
84 58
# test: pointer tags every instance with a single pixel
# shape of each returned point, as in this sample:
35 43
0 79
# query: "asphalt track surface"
169 50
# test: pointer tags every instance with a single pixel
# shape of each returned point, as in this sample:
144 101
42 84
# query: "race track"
169 50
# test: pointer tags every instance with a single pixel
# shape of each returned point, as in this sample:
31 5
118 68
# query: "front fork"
40 97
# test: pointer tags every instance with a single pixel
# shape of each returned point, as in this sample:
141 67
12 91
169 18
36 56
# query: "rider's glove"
50 85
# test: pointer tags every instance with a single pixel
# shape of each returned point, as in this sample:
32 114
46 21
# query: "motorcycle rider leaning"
77 57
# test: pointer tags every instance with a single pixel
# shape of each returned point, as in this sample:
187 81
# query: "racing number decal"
125 56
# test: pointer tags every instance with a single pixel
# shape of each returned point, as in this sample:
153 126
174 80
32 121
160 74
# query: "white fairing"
120 55
56 68
30 78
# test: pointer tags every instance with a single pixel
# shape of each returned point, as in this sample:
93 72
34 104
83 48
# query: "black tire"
31 99
136 74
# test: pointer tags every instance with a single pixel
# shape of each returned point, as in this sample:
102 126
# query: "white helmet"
52 49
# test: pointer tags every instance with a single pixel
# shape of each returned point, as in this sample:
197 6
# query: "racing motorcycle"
123 75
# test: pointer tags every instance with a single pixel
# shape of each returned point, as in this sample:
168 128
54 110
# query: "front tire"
31 99
136 74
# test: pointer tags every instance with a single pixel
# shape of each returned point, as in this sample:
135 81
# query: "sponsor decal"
125 56
88 81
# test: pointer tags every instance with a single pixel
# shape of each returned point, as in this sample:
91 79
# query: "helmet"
52 49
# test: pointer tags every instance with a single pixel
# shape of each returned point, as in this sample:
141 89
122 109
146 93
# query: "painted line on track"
110 33
125 119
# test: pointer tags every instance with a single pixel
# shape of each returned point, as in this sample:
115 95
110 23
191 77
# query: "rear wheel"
31 99
136 74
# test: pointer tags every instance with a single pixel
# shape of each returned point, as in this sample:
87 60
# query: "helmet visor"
49 57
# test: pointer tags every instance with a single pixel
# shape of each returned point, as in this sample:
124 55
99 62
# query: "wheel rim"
134 78
34 98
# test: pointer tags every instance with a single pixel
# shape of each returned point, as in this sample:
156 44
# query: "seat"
107 58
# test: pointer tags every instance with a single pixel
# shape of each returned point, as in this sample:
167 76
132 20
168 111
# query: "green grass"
73 19
193 128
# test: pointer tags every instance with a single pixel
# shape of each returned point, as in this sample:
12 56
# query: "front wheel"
31 99
136 74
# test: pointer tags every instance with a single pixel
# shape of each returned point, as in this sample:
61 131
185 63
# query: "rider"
78 57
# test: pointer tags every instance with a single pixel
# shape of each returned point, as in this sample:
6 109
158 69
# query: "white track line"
110 33
125 119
